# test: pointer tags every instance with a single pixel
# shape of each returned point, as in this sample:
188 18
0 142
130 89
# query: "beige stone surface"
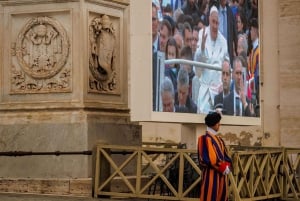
81 187
53 97
64 132
47 53
75 187
270 93
168 133
289 72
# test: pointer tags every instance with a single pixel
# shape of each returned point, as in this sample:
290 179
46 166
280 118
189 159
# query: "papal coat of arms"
102 60
41 50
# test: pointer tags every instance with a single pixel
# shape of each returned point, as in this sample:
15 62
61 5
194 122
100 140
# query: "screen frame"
141 74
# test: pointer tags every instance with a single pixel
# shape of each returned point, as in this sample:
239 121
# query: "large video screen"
206 57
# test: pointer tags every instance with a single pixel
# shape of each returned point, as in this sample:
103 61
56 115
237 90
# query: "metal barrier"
291 172
194 63
255 172
259 173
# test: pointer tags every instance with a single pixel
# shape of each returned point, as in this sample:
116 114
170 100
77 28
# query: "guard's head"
212 119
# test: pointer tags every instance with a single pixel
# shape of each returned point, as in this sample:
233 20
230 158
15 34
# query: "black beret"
212 119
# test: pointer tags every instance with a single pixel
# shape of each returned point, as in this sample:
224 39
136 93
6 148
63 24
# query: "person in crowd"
189 7
155 48
242 48
178 12
237 103
198 22
199 3
212 48
176 4
241 22
242 45
179 41
245 5
159 9
234 5
253 64
214 161
164 34
227 27
254 7
178 28
171 70
204 12
189 19
244 59
155 26
195 84
172 23
183 103
226 81
195 38
167 10
187 34
186 53
181 19
167 95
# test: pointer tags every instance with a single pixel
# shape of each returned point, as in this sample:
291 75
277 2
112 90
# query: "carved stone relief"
41 51
103 56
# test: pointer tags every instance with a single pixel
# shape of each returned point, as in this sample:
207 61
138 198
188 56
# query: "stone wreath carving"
42 47
102 55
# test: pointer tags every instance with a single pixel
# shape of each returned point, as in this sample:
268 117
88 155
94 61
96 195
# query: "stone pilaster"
64 84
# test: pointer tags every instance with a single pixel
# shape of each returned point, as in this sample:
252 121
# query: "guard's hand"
224 168
227 170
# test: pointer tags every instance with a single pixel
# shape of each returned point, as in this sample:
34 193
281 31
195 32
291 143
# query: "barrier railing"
255 172
291 172
173 174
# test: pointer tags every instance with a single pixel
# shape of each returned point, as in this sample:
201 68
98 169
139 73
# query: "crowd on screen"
223 33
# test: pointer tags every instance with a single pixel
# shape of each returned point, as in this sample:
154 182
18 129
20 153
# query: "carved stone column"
64 84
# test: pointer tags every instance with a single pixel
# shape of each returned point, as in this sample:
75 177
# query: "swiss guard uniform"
214 162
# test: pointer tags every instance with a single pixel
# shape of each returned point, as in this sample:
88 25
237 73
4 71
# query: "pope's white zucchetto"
213 9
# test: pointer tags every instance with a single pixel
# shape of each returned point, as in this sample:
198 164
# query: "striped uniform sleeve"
208 153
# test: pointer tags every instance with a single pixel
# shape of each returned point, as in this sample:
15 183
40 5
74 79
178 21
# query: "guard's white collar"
211 130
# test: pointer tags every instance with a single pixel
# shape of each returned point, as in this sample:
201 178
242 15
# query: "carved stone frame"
116 97
33 45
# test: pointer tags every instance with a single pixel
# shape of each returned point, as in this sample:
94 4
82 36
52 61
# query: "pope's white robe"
210 80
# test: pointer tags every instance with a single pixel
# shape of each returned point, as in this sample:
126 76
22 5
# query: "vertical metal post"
97 170
138 172
181 174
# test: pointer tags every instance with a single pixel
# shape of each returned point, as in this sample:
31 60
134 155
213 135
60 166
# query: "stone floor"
28 197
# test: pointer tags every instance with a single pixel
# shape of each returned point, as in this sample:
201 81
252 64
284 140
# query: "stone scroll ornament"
41 49
102 61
